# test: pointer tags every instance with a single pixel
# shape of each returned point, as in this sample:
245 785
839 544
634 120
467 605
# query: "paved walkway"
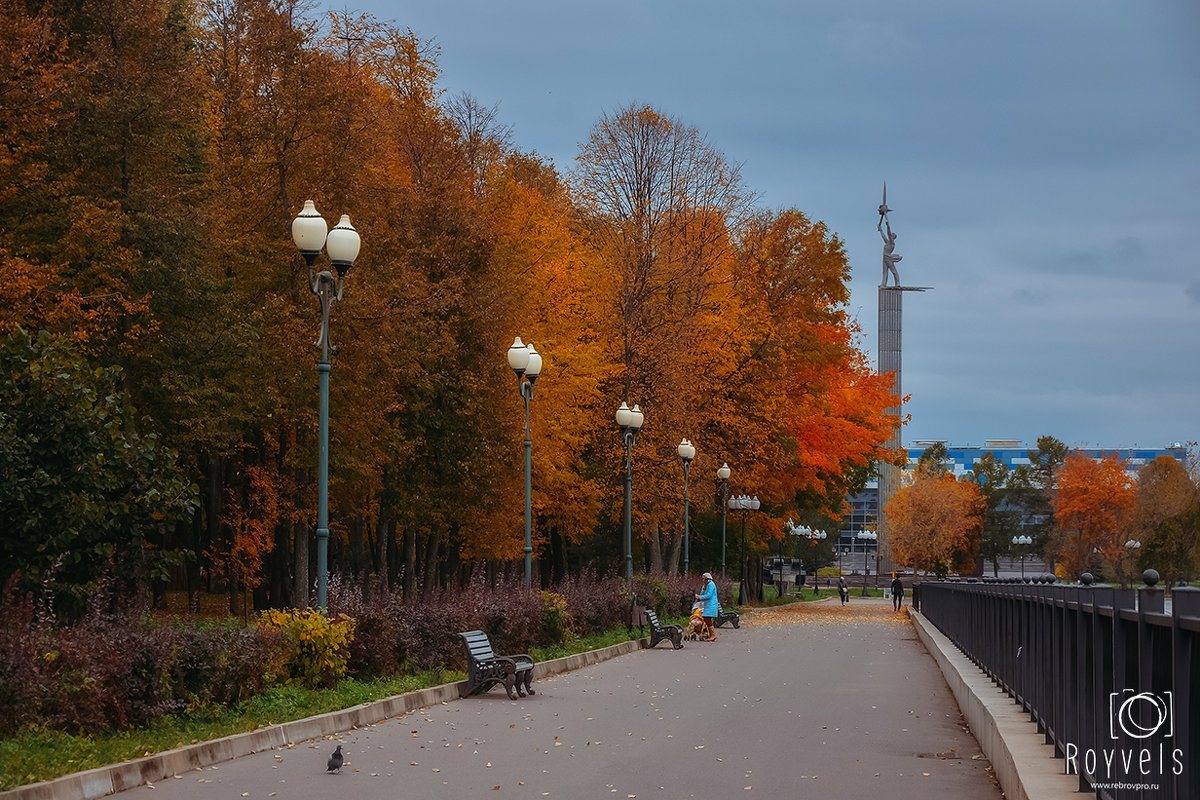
815 700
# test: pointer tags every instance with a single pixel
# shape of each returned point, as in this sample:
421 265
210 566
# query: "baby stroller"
695 629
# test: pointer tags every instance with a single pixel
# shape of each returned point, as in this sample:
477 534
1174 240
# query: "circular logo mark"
1147 723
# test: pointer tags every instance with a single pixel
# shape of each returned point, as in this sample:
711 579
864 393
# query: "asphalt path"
817 700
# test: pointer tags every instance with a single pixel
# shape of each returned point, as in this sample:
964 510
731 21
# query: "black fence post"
1099 670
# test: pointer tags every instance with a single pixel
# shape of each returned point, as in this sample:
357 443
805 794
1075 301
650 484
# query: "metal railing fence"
1105 673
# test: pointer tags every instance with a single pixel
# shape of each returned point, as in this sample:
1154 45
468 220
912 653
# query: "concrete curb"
106 780
1025 766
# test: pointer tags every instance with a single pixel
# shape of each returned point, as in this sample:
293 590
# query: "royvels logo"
1140 715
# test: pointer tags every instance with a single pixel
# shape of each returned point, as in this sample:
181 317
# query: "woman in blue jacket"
709 598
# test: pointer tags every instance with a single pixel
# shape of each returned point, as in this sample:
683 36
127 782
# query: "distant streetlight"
1022 542
526 362
743 503
813 537
686 451
865 537
1131 545
629 420
311 234
723 473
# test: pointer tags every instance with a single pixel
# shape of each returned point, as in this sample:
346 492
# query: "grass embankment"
40 754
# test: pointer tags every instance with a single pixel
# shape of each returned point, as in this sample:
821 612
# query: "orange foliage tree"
936 523
1093 504
159 183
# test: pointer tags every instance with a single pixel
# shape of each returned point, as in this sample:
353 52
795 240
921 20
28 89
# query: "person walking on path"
897 592
843 590
709 598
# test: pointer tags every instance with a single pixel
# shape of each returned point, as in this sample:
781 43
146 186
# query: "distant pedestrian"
897 592
843 590
709 598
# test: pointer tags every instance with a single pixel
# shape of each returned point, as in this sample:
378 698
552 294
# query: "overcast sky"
1042 160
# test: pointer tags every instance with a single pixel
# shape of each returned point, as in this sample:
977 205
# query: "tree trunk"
192 567
675 553
280 573
430 583
382 534
656 553
300 592
410 565
352 562
213 506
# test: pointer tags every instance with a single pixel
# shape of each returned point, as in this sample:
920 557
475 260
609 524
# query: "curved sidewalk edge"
102 781
1025 765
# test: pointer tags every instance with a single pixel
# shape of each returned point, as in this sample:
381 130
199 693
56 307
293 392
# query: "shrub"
429 637
595 606
20 632
223 663
556 623
316 647
651 591
376 649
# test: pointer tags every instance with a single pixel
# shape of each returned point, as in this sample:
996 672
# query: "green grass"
582 645
773 598
39 754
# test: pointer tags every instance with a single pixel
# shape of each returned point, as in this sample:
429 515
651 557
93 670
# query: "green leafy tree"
82 487
1032 487
934 460
1167 519
1001 521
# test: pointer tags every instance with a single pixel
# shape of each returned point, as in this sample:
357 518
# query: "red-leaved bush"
116 669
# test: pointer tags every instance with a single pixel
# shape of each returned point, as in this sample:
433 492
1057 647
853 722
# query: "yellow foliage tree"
936 523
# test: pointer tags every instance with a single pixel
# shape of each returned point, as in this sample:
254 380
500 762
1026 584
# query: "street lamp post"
743 503
866 536
526 362
629 420
1131 544
792 529
723 473
1022 542
687 451
311 234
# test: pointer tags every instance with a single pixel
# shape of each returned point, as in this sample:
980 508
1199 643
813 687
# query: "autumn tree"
936 523
728 326
661 202
1166 519
1093 504
155 152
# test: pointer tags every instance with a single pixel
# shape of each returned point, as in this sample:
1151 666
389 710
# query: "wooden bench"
659 632
724 616
485 669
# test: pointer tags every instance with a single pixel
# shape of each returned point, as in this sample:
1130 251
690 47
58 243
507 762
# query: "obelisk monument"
891 311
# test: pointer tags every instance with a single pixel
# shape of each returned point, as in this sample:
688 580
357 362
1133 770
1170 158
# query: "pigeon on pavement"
335 761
